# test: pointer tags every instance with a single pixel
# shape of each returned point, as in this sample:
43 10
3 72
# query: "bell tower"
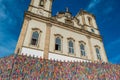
41 7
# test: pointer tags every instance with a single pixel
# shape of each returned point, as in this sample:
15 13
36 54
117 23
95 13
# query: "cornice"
39 8
62 25
82 12
27 18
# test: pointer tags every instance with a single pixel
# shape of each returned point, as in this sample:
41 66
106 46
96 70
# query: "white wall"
53 56
58 57
31 52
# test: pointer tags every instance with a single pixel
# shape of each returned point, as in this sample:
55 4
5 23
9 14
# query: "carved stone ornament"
40 11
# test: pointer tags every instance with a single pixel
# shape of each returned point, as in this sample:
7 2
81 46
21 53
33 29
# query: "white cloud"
92 4
3 14
100 6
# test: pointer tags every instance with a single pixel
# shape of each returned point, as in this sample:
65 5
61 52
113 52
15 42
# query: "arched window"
98 53
90 21
82 48
35 36
71 47
58 44
41 3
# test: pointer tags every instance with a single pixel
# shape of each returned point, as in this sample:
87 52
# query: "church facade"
61 37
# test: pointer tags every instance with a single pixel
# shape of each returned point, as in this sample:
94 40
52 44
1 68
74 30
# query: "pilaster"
22 35
83 20
47 40
90 47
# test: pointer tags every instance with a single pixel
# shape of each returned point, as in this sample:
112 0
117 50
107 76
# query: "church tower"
41 7
60 37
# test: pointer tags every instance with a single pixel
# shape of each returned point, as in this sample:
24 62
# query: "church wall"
95 42
68 34
39 25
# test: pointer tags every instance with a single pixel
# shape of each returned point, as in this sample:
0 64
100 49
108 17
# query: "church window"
98 53
35 37
58 44
82 48
41 3
71 46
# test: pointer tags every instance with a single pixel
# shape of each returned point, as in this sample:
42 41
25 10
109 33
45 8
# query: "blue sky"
106 12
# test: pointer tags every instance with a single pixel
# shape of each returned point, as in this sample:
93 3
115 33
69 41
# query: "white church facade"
61 37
